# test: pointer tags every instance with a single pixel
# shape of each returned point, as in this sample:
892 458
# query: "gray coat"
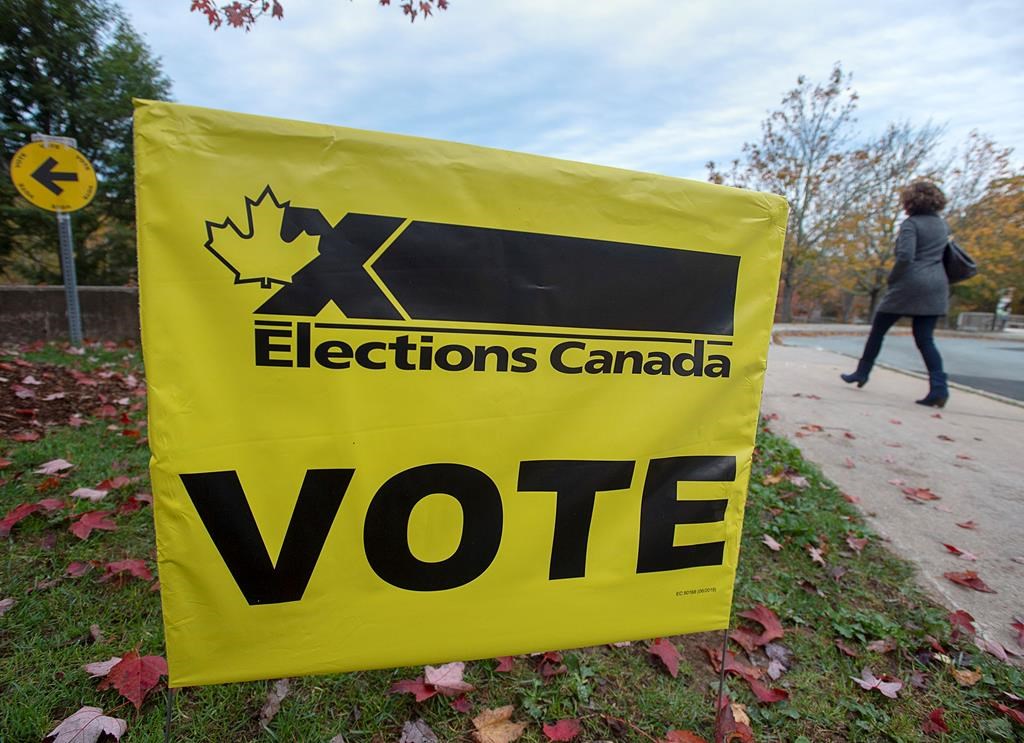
917 282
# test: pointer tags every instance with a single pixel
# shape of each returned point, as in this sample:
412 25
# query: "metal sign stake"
67 269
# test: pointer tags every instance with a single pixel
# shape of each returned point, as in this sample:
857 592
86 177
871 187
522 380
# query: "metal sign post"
51 174
67 269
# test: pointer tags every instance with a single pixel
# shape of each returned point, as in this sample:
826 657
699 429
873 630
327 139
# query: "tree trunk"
786 311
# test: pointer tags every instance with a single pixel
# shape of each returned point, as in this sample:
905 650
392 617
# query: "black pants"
924 337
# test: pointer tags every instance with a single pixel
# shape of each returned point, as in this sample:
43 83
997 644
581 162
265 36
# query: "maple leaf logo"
255 251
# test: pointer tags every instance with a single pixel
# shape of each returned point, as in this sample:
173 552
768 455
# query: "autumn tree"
864 238
992 230
243 14
70 68
802 155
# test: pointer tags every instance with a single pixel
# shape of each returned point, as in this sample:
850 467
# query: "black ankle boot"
861 378
933 401
938 391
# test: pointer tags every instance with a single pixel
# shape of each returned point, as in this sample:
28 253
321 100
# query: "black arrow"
48 178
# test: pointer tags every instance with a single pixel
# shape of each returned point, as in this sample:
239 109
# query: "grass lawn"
866 600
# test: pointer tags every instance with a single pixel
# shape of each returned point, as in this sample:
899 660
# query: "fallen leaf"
771 543
857 543
969 579
447 679
800 481
896 421
1014 714
934 722
54 466
416 687
774 479
815 554
886 685
846 650
6 605
101 668
16 514
92 520
745 638
78 569
992 648
461 704
667 653
113 483
886 645
728 728
767 619
965 677
134 677
850 498
961 553
133 566
89 494
50 504
87 725
922 494
496 726
964 456
961 620
24 438
849 435
273 703
849 463
779 658
1018 626
504 664
764 694
967 525
562 730
417 732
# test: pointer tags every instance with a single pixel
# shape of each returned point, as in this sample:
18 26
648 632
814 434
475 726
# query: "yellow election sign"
53 176
414 401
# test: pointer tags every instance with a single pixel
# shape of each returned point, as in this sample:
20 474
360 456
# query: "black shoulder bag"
959 266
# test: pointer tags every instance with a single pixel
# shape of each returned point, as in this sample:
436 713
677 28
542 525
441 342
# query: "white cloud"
642 84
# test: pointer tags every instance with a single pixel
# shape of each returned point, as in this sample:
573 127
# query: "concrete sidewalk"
971 454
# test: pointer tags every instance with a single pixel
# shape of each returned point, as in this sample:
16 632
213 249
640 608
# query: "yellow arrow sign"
53 176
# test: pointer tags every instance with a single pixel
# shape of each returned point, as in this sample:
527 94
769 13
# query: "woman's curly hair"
922 197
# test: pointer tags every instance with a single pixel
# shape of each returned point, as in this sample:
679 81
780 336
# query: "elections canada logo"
427 287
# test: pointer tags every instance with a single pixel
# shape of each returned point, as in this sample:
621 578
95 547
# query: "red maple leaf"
92 520
967 525
416 687
135 676
562 730
134 567
447 679
969 579
767 619
666 652
504 664
1018 627
15 515
78 569
934 722
461 704
25 437
960 620
764 694
113 483
962 554
745 638
726 727
1014 714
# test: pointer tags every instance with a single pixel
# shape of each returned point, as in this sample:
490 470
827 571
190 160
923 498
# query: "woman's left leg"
924 337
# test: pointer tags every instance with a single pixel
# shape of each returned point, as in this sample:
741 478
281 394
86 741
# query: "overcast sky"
654 85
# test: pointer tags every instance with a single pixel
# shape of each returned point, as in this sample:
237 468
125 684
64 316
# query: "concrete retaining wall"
31 313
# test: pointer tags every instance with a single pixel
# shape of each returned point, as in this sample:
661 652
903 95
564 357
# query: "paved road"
992 365
875 440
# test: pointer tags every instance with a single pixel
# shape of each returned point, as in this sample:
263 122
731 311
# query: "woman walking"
918 288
